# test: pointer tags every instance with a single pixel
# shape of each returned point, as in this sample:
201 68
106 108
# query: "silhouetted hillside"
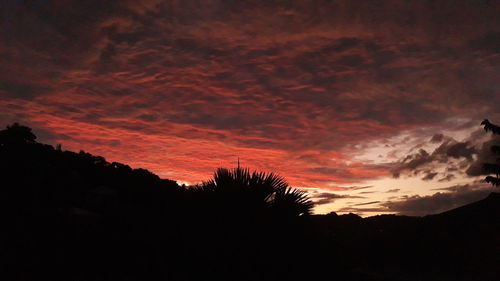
460 244
486 209
75 216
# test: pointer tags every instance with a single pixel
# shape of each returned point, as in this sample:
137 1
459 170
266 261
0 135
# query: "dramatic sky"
371 106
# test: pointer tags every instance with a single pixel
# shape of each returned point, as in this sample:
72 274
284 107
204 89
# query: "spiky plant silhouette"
292 201
256 191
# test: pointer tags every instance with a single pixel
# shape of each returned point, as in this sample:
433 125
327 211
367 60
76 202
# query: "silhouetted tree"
493 168
16 134
256 191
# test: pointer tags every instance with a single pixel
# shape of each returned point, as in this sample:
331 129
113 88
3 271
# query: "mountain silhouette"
460 244
487 209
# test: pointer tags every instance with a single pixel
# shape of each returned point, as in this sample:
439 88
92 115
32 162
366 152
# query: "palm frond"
293 201
244 189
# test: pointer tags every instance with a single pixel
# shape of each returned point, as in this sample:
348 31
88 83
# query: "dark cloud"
148 117
327 197
429 176
363 211
360 187
450 149
485 155
447 177
456 150
23 89
437 138
366 203
455 196
411 162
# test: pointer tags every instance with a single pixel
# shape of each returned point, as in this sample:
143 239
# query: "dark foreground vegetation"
74 216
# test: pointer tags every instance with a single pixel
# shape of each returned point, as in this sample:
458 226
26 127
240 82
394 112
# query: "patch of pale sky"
392 149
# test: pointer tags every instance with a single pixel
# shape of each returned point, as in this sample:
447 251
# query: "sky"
372 107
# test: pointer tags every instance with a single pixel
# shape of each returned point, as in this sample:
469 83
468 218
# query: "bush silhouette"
492 168
16 134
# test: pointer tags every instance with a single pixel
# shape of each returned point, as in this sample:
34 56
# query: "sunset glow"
372 107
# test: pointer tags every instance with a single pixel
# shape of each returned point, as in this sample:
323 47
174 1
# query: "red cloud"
184 88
